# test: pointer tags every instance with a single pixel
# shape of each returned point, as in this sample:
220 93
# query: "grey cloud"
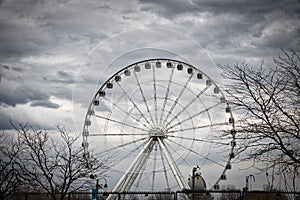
168 8
63 74
252 8
35 28
34 32
171 8
22 95
105 7
219 24
21 85
5 121
28 93
4 67
47 104
64 77
18 37
280 39
7 118
17 69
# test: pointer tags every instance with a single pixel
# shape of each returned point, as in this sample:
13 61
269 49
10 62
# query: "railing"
165 195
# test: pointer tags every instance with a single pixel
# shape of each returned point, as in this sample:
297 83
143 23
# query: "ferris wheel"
157 119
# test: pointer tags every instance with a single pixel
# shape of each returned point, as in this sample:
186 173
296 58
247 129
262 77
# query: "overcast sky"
54 53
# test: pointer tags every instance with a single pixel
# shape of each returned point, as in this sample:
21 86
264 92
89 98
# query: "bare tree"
55 165
267 102
9 179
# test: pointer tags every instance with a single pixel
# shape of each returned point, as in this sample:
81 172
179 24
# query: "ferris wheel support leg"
175 170
131 174
138 166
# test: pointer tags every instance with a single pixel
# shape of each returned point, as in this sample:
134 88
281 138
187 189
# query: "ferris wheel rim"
152 60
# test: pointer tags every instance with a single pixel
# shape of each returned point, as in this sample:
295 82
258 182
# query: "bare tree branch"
56 165
9 179
267 101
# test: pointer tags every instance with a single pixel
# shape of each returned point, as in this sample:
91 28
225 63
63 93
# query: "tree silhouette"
267 102
9 179
55 165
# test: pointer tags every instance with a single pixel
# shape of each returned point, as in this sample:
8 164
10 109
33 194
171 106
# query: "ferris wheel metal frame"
156 122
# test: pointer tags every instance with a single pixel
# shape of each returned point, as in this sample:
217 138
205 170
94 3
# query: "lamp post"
248 181
247 187
100 186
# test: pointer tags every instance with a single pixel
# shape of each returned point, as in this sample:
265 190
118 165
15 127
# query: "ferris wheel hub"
158 132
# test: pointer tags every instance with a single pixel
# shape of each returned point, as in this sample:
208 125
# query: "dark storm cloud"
22 86
35 28
219 24
4 67
273 20
20 37
171 8
43 42
24 94
245 7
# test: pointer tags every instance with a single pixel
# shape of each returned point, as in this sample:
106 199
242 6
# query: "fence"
164 195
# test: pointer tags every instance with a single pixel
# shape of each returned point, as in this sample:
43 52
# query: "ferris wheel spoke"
133 171
166 95
134 104
122 145
143 96
176 151
154 166
199 140
178 97
164 167
195 152
118 122
139 178
195 115
117 134
130 153
204 161
155 97
174 168
209 117
187 105
197 127
127 113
